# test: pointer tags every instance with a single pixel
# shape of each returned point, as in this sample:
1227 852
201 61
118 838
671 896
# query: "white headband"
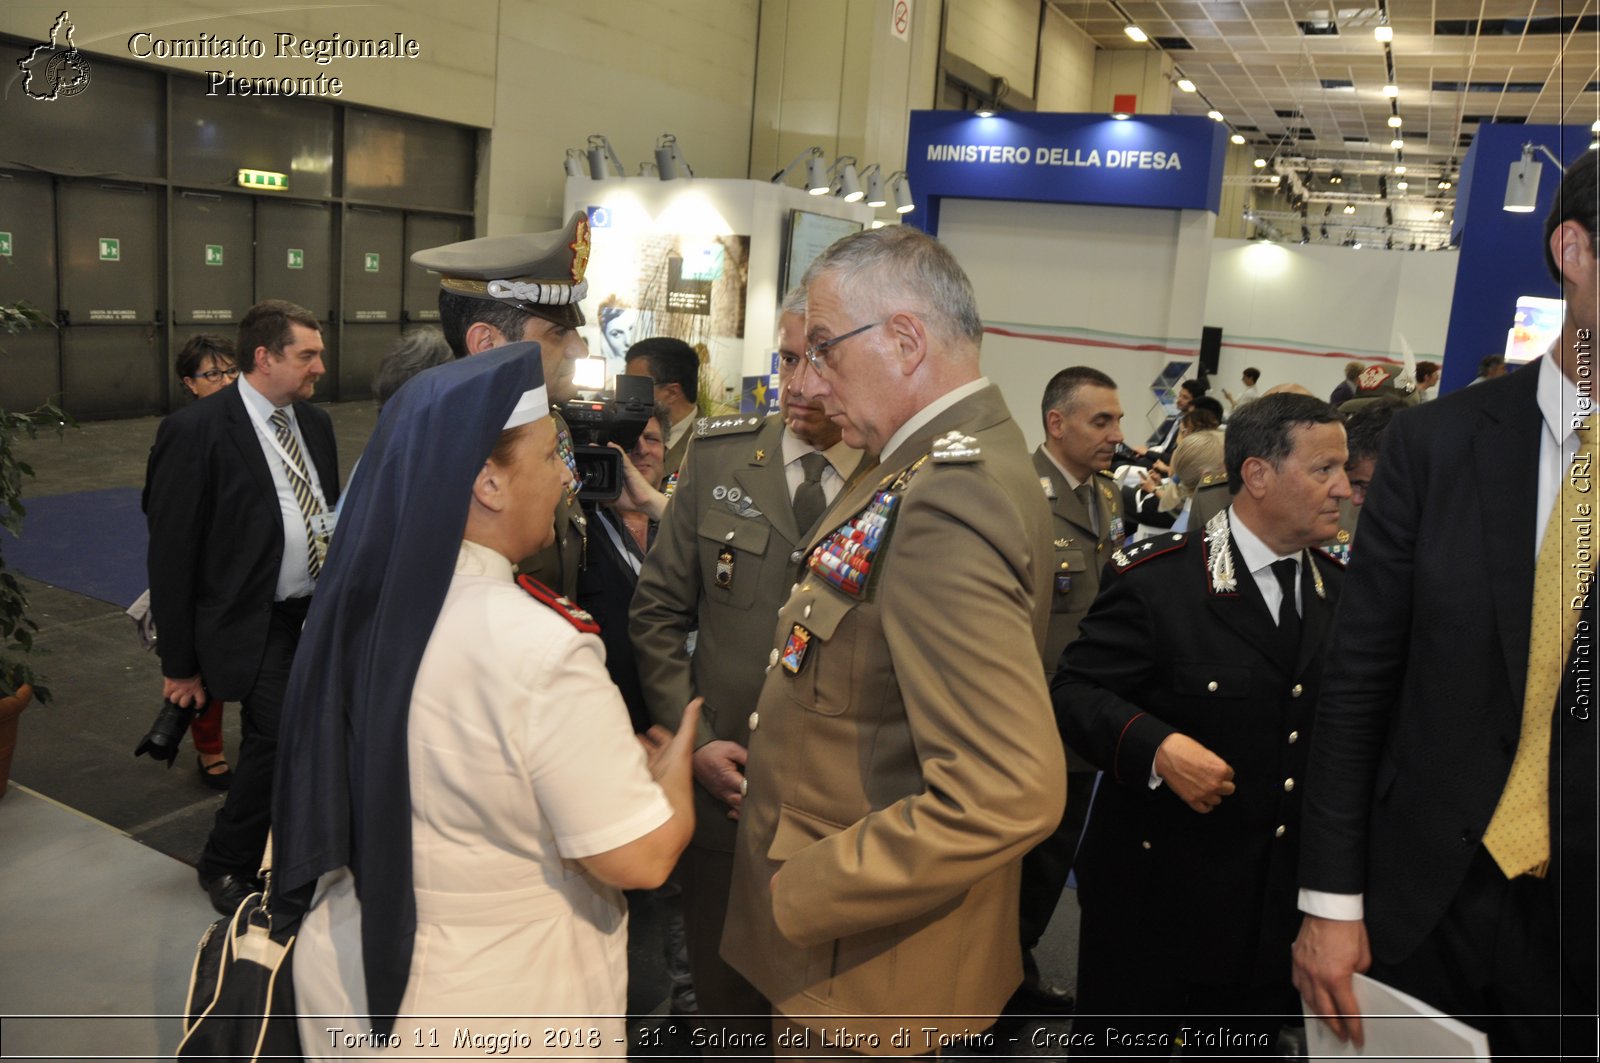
534 404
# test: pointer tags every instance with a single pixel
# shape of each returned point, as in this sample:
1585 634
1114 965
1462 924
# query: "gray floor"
99 909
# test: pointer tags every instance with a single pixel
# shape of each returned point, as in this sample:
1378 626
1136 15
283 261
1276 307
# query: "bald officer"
723 562
902 753
505 289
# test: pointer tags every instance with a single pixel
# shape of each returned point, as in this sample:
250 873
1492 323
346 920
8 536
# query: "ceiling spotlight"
1594 145
1356 246
1323 231
1400 168
816 173
1237 138
1349 208
901 184
1135 34
1595 128
1276 178
849 180
1403 185
1185 85
984 112
1397 144
1260 163
1391 91
1336 177
1214 115
1444 183
1522 182
574 163
670 162
1383 33
1438 214
600 152
875 194
1395 121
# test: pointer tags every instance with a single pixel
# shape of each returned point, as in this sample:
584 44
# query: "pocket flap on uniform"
824 608
1070 559
797 830
741 533
1208 679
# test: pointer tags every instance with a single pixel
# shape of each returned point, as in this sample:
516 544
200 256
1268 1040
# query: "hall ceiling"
1275 68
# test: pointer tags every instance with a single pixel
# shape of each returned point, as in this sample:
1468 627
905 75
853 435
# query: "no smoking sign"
902 19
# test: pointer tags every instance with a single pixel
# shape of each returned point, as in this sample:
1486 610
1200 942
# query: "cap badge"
580 251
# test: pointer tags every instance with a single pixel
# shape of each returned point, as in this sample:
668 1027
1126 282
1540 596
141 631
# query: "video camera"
616 418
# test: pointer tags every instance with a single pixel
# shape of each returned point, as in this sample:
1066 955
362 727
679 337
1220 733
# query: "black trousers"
1133 1005
1494 961
239 833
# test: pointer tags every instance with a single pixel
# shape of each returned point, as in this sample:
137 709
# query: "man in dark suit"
1083 428
723 563
1192 685
525 287
1450 820
239 494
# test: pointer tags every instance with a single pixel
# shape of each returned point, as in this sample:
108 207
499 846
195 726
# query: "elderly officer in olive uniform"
902 755
505 289
1192 684
723 562
1083 428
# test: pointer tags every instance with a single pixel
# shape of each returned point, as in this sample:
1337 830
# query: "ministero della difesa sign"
1164 161
290 48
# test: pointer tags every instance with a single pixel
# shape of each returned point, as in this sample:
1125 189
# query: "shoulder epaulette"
710 427
1107 474
569 610
955 448
1145 549
1211 479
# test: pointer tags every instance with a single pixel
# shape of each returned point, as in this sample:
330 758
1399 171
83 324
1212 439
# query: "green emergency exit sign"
297 258
110 249
371 261
5 244
213 254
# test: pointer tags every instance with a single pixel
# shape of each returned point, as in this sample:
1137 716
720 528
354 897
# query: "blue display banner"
1168 161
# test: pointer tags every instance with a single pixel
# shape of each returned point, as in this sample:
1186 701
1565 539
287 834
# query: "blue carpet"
91 543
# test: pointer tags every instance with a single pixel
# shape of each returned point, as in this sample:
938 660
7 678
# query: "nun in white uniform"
462 797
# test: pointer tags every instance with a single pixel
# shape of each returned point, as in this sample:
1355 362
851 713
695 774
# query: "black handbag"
241 992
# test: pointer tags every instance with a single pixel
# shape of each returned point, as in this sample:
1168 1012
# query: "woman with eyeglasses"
205 366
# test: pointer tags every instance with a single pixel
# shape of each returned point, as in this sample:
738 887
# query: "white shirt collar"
928 413
258 404
841 456
680 427
1256 554
475 559
1558 398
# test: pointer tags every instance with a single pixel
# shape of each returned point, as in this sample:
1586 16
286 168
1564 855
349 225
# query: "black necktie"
809 501
1288 615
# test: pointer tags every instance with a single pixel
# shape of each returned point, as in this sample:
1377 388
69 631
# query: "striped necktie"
1519 833
300 484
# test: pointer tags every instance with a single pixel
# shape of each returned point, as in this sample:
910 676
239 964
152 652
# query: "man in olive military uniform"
722 563
902 754
1083 428
525 288
1193 684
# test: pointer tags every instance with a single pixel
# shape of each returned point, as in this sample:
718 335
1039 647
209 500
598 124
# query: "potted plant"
18 682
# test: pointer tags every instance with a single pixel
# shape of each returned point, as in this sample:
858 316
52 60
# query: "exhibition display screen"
809 235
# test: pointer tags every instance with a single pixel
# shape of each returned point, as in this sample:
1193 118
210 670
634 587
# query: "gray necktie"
809 501
1085 493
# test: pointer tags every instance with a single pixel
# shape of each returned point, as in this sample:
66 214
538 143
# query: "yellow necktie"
1519 834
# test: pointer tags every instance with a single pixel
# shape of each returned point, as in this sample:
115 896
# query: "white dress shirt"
294 573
